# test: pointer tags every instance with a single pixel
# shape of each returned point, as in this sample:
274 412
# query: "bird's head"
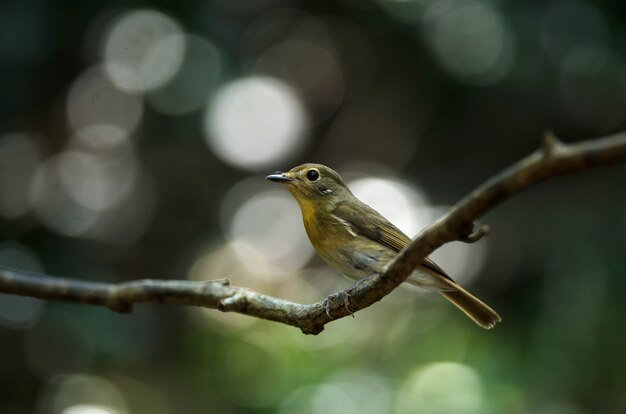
312 183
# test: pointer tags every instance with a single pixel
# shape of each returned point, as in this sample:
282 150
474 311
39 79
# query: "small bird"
357 241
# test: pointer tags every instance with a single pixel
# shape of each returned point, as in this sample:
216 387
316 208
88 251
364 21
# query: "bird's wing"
369 223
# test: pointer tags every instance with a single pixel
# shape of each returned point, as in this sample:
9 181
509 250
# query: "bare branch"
215 294
551 159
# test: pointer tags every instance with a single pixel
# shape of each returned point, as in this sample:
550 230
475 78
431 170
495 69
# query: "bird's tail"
473 307
431 276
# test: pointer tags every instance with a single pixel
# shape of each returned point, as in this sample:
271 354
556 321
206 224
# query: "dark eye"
312 175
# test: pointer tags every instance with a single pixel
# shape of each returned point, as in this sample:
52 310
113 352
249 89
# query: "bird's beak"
278 177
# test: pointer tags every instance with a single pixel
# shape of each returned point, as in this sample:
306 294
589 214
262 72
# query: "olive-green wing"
367 222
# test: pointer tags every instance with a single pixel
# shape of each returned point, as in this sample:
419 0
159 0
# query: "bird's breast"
344 250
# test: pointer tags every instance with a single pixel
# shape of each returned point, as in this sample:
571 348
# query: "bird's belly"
354 260
353 255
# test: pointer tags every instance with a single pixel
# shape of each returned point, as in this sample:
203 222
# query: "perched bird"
357 241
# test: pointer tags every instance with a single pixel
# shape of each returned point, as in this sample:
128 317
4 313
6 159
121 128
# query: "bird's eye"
312 175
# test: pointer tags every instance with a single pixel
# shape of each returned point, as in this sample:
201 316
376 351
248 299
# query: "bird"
357 241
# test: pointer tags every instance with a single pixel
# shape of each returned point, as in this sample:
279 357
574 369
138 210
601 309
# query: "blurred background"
134 138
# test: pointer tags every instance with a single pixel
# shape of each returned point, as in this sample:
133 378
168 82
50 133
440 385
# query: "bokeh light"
265 230
94 100
102 138
94 182
442 387
405 206
194 80
143 50
361 392
254 122
261 229
82 394
94 189
54 206
350 391
470 39
88 409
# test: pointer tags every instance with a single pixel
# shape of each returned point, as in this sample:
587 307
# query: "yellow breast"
330 238
314 225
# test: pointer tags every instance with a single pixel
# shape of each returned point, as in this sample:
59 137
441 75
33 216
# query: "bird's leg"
347 297
360 281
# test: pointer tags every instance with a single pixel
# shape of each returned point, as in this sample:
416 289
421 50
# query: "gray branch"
551 159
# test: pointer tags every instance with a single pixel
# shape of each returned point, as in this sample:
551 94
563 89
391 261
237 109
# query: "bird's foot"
347 297
346 301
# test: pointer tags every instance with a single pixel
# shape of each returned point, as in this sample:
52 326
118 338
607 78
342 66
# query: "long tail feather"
431 276
473 307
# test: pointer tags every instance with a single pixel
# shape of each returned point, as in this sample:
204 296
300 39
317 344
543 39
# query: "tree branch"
551 159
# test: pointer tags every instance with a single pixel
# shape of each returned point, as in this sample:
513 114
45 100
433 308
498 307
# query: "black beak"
278 177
